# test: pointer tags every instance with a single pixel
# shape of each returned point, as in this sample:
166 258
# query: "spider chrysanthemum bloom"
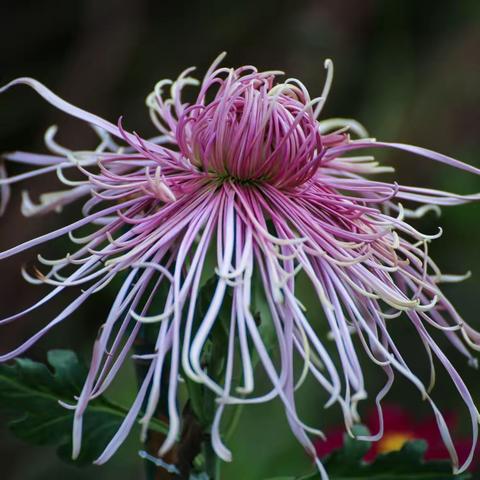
248 176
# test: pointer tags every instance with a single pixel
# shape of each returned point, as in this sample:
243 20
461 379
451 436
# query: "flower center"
393 441
252 131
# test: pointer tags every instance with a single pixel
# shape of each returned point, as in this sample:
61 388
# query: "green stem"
234 421
212 462
143 346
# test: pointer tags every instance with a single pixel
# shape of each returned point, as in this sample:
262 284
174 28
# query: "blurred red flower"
400 427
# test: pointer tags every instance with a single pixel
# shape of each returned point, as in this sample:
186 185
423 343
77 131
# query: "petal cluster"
246 126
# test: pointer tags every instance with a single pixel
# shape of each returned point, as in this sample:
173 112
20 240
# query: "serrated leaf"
30 392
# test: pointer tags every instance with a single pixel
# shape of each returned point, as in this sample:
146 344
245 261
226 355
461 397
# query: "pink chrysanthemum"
247 175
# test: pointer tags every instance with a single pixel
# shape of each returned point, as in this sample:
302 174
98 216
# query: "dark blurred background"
408 70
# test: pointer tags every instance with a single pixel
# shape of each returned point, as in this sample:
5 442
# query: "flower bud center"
253 131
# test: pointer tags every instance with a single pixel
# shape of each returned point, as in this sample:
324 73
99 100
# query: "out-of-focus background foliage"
409 70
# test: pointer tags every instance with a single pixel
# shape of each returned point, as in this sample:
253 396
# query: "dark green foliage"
30 393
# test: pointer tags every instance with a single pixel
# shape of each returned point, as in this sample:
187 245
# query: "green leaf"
408 463
350 456
30 392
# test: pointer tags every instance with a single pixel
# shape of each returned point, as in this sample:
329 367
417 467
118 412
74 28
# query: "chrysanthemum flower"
247 174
